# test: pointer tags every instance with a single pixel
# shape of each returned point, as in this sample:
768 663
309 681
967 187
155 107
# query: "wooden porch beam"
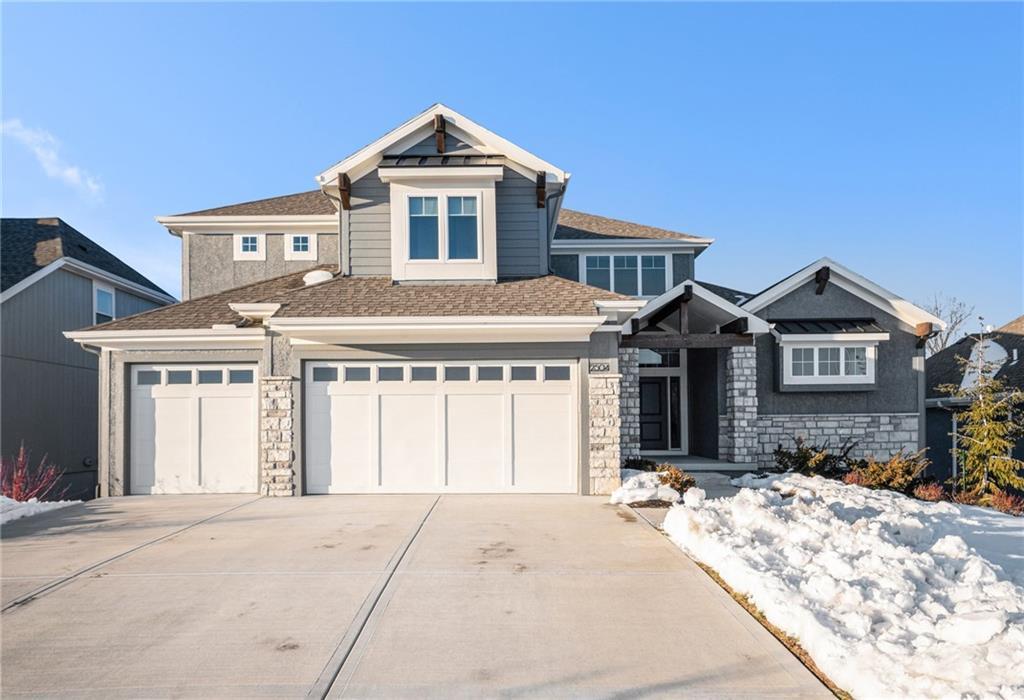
739 325
345 191
439 132
679 305
686 340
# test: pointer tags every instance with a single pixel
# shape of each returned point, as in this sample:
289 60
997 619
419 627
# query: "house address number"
599 366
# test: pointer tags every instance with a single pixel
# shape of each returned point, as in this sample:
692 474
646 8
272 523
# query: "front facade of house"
56 279
432 319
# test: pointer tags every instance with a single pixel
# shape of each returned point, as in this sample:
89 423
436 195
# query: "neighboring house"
55 279
432 319
1004 348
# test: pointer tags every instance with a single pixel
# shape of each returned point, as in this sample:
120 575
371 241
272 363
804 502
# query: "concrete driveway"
369 596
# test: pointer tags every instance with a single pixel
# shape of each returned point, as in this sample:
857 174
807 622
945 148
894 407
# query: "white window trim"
291 254
97 287
789 379
261 247
639 255
442 226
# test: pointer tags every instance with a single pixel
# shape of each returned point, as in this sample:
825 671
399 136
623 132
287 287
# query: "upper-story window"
103 303
250 246
300 246
444 223
635 275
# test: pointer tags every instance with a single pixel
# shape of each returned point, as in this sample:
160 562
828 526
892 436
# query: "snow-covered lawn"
639 486
11 509
892 597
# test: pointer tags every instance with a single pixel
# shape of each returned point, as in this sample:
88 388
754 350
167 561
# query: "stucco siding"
370 226
567 266
212 267
682 267
896 379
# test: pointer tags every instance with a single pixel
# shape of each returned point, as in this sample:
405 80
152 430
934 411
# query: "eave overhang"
435 329
219 338
309 223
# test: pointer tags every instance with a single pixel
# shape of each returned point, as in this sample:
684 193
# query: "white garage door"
441 427
193 429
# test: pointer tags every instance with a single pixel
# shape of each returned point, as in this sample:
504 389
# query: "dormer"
454 200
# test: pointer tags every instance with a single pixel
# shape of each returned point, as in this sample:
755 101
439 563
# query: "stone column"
277 476
737 439
604 426
629 401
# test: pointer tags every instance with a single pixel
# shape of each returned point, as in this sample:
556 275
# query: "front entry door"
653 413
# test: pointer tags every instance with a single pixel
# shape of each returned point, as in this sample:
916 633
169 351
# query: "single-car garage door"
469 427
193 429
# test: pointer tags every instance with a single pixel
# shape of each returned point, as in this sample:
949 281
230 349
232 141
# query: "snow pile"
639 486
892 597
11 509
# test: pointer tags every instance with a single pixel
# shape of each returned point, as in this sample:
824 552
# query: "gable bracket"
439 132
542 189
924 331
345 190
821 279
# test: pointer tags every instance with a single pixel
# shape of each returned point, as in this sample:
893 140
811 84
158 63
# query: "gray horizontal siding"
370 226
522 248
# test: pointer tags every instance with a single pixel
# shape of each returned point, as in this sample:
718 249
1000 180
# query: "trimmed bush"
930 492
812 460
641 463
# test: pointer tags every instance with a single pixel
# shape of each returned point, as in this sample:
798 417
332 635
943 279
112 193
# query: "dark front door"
653 413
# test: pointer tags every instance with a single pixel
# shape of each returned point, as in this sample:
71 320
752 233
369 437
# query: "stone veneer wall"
876 434
277 474
737 429
605 424
629 401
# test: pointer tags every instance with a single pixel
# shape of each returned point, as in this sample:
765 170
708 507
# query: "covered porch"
694 385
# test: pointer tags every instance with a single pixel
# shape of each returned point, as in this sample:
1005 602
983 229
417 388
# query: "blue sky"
888 137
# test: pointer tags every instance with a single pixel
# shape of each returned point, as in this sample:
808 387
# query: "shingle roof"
734 296
577 225
309 203
944 368
826 325
28 245
378 296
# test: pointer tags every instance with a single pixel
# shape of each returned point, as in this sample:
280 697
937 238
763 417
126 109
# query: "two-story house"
56 279
431 319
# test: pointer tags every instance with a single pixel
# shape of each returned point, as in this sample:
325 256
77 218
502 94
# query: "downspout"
552 217
342 231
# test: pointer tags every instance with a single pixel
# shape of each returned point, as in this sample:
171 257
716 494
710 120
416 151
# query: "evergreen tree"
987 429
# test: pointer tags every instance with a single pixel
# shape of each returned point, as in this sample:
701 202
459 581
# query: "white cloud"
46 149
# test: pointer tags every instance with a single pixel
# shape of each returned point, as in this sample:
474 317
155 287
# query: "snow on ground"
639 486
891 596
11 509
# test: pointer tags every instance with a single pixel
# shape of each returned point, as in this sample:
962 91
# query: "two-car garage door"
469 427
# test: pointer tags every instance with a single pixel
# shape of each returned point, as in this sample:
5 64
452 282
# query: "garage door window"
556 374
424 374
325 374
490 374
148 377
456 374
391 374
179 376
524 374
240 376
357 374
211 376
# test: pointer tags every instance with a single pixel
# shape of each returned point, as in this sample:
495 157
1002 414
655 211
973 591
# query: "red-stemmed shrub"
1004 502
18 480
930 492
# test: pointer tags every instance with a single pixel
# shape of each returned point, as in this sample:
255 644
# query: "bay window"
633 275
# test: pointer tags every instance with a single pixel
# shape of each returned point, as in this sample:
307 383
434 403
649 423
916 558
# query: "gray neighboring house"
56 279
1004 347
432 319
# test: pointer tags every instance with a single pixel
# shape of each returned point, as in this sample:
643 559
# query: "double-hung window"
829 364
444 224
103 303
634 275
